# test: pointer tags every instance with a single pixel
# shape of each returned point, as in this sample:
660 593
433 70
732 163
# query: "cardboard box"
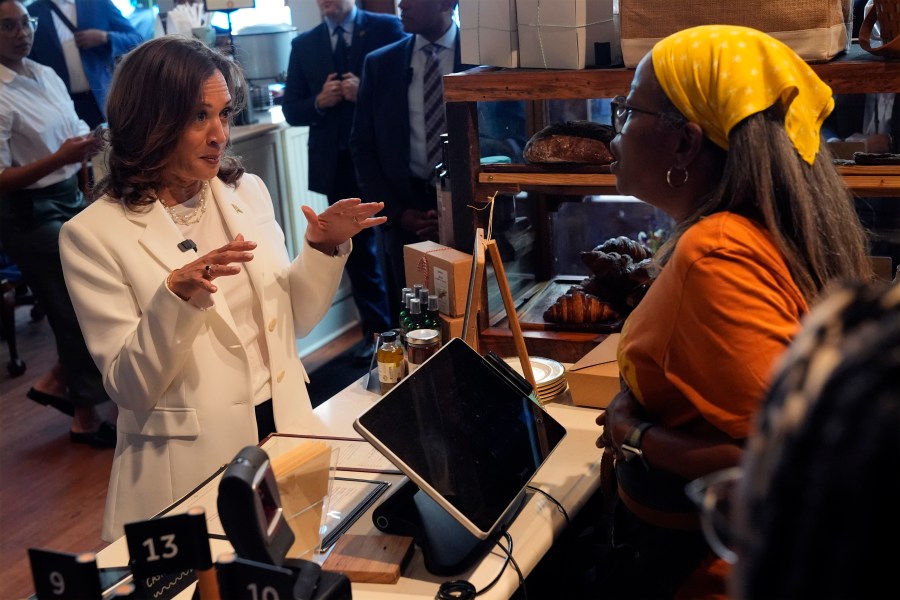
451 327
567 34
444 271
594 380
488 33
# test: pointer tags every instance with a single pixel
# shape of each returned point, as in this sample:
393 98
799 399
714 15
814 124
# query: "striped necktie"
433 97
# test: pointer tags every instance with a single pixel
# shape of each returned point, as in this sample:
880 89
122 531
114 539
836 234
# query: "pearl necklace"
192 218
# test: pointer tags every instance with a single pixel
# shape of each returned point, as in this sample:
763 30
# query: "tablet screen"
464 434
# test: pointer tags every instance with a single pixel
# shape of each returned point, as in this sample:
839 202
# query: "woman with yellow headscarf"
720 130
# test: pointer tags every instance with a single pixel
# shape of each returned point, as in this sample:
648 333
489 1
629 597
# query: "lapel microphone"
186 245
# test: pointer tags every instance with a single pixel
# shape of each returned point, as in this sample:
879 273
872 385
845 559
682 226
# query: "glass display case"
544 216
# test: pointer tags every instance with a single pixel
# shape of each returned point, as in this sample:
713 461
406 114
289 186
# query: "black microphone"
186 245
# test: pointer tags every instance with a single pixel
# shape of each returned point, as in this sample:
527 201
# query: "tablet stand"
447 547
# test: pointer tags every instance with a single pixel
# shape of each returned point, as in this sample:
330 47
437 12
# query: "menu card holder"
304 480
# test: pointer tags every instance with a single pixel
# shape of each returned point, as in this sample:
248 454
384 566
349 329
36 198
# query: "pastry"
571 142
625 245
577 307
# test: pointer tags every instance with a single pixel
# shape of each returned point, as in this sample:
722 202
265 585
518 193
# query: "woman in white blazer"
182 284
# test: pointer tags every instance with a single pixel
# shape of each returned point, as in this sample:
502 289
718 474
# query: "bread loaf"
577 307
571 142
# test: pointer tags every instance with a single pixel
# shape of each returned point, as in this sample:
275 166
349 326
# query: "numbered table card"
241 579
64 576
168 554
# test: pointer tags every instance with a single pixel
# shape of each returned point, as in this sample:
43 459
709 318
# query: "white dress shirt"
418 152
237 291
78 81
36 117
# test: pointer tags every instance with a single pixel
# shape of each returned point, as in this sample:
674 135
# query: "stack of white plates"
549 375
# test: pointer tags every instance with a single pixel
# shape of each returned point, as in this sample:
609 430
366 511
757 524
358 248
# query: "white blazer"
178 373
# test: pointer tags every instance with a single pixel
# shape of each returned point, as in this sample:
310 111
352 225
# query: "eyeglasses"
10 28
621 112
714 496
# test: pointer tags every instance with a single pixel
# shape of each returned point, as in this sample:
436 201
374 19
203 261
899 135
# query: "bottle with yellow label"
391 361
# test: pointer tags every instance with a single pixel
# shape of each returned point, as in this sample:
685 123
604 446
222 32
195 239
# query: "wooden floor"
52 491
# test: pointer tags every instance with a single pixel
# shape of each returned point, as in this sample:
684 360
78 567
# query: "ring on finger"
356 219
208 270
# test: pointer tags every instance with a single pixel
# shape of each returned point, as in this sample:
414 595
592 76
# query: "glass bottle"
431 320
414 318
404 316
391 362
403 307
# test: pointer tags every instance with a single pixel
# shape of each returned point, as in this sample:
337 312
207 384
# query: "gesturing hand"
200 274
339 222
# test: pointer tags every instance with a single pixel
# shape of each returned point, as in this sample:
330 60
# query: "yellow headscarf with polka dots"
718 75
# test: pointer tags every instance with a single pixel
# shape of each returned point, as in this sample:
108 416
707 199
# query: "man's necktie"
341 52
433 96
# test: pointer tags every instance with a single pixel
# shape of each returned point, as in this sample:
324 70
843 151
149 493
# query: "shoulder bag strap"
52 6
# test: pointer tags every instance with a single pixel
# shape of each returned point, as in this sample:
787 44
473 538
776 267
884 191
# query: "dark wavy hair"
817 507
152 99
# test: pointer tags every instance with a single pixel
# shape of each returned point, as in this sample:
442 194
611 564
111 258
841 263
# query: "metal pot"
264 51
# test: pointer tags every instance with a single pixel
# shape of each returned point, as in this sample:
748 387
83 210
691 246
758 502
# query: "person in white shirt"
42 146
82 40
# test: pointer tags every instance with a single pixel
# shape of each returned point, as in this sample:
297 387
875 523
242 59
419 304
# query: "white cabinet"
343 314
262 155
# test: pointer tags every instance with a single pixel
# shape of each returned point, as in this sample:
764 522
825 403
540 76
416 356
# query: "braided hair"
821 486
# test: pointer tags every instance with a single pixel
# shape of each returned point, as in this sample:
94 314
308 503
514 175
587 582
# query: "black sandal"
103 437
64 405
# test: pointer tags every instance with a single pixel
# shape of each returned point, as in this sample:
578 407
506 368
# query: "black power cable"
460 589
559 505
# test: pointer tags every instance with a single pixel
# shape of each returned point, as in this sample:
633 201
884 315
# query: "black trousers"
265 419
364 265
395 238
29 231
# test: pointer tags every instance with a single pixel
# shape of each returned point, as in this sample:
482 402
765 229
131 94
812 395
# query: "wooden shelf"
588 180
857 72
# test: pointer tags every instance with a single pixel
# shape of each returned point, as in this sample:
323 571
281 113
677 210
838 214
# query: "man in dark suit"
393 130
322 83
83 55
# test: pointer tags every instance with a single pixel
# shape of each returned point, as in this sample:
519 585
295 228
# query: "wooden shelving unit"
856 72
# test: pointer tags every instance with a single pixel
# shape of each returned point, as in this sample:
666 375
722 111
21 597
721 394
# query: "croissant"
618 279
607 264
625 245
642 273
576 307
